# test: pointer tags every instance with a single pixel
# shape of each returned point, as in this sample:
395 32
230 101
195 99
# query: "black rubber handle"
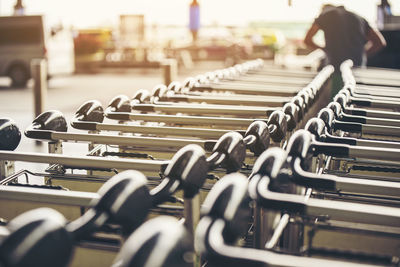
39 134
339 140
356 112
84 125
350 127
273 200
120 116
336 150
352 118
278 118
361 102
309 179
143 107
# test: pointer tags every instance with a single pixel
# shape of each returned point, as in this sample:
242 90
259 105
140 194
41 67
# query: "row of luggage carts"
245 166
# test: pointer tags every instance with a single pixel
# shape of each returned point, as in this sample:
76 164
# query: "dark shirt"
345 35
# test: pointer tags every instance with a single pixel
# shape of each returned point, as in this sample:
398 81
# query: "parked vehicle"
23 38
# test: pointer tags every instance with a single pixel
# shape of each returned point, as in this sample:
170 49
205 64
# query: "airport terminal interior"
199 133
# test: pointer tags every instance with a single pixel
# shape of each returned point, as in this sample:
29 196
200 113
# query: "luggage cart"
218 231
280 123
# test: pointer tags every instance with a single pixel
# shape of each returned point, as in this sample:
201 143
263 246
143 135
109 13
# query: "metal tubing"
47 196
278 232
85 161
374 153
384 104
277 90
385 122
283 72
139 141
380 130
364 186
273 79
206 109
354 212
163 130
192 120
373 113
192 213
243 101
377 144
266 257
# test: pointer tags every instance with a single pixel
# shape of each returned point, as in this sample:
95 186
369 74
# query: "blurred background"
95 49
85 36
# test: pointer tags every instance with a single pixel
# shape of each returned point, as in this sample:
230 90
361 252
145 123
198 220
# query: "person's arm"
375 42
308 40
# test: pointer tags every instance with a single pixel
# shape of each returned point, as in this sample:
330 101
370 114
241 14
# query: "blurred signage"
132 29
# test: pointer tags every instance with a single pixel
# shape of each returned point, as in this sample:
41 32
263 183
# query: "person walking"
194 19
347 36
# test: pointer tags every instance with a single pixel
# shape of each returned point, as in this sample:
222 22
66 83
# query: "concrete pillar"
169 70
39 75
